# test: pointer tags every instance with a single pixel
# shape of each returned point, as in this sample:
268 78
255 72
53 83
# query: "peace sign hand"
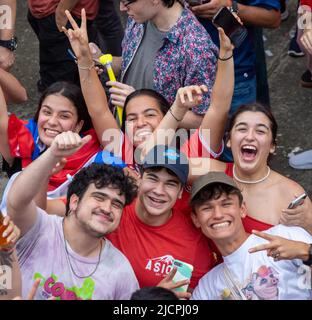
280 248
78 36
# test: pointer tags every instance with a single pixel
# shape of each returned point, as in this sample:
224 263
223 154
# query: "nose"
250 134
106 206
218 214
122 7
141 121
52 120
159 188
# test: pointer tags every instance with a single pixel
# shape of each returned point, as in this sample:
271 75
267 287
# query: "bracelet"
86 68
225 59
174 116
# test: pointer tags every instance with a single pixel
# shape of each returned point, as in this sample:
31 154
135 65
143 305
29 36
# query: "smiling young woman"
61 108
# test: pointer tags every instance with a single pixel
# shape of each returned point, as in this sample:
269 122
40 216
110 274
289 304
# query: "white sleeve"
214 154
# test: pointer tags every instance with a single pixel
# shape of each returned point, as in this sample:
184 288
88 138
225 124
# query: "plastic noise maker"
106 60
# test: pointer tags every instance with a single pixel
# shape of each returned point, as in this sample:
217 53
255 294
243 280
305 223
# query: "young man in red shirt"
152 232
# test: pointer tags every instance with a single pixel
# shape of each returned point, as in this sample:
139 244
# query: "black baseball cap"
169 158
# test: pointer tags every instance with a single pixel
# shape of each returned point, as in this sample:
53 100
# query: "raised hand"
280 248
67 143
11 234
209 9
78 36
190 96
226 46
300 216
119 92
167 283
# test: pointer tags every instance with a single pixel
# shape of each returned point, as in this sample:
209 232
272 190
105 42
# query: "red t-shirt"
248 222
151 250
43 8
306 3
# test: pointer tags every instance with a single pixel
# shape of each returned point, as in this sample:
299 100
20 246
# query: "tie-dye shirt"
187 57
41 253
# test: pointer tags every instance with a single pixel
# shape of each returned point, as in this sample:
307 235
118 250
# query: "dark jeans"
109 28
263 93
55 62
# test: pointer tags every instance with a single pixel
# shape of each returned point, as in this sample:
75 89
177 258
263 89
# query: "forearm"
221 98
191 120
96 99
30 180
260 17
165 131
13 91
8 33
67 4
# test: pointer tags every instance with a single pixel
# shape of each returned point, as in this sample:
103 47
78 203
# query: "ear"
243 210
195 220
228 143
73 202
79 126
272 149
180 193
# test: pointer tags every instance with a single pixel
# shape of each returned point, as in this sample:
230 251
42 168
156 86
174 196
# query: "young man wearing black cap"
218 209
152 232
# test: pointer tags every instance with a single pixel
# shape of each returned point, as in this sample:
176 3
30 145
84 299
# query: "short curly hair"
102 175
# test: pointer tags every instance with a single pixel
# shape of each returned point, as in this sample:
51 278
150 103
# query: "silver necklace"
68 258
251 181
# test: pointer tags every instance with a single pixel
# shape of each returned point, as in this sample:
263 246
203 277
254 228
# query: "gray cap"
210 178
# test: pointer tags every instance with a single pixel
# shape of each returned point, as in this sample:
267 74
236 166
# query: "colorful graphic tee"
255 276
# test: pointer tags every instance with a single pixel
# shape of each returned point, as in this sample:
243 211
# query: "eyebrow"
145 111
104 195
258 125
63 111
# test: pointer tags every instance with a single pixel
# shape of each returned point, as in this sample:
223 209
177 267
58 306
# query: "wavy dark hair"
73 93
102 175
163 104
213 192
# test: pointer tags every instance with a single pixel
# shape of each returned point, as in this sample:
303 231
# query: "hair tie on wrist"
174 116
225 59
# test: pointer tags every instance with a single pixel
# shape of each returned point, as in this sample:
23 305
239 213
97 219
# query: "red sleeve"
194 147
306 3
21 141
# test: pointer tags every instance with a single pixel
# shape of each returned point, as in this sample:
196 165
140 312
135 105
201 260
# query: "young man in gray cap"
218 209
152 232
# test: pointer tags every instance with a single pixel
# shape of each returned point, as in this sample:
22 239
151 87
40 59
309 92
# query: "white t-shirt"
257 276
41 253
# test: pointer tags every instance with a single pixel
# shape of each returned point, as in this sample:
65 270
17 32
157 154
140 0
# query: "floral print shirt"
187 57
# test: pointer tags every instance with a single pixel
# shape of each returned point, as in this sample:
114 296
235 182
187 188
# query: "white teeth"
250 147
156 200
144 133
220 225
52 131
